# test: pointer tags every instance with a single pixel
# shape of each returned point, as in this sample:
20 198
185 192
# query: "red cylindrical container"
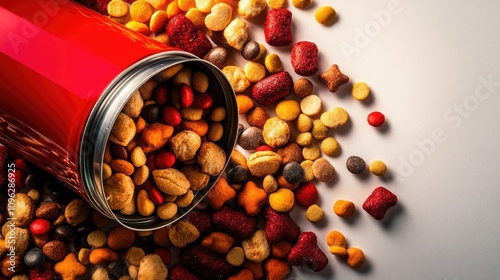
66 73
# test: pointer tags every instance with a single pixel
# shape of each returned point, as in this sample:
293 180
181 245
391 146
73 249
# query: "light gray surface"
423 65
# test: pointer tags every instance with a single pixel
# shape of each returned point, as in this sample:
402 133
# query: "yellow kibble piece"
138 27
273 63
319 131
378 168
282 200
311 152
254 71
97 238
218 114
196 17
157 4
325 15
158 22
219 17
276 4
304 139
314 213
288 109
360 91
204 6
304 123
236 33
262 53
311 105
185 5
236 77
301 4
200 81
355 257
117 8
336 241
307 166
244 102
269 184
335 118
329 146
141 11
173 9
344 208
235 256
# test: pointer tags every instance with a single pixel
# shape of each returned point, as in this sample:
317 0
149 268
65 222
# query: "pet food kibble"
306 251
303 87
311 105
196 17
360 91
304 139
97 238
319 130
251 50
141 11
219 17
236 33
293 172
273 88
251 138
323 170
204 6
244 102
311 151
304 58
145 206
117 8
256 246
211 158
273 63
276 132
337 243
282 200
379 202
301 4
269 184
119 190
304 123
123 130
251 198
330 146
185 35
218 114
158 22
376 119
257 116
276 4
236 256
157 4
220 193
307 165
314 213
236 77
344 208
278 27
355 164
355 257
262 163
182 233
291 152
167 211
218 56
171 181
335 118
251 8
217 242
185 5
288 109
378 168
325 15
333 78
254 71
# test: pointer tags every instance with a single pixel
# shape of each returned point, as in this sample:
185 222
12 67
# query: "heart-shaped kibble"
219 17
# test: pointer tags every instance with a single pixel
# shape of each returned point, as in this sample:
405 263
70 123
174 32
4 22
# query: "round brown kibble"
291 152
323 170
120 238
141 11
355 164
251 50
97 238
257 116
167 211
303 87
211 158
311 151
134 255
55 250
235 256
215 132
218 114
185 145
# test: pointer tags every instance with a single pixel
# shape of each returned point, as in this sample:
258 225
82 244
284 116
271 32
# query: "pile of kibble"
243 229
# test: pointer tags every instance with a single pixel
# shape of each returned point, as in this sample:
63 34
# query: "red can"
66 73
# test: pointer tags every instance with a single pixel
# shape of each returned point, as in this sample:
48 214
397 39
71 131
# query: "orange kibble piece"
337 243
141 11
217 242
220 193
252 197
245 103
355 257
276 269
344 208
185 5
173 9
281 249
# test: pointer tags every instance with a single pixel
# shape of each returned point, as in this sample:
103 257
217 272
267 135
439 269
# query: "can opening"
107 109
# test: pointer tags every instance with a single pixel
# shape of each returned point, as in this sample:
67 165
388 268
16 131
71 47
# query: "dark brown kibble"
293 173
251 50
251 138
218 56
355 164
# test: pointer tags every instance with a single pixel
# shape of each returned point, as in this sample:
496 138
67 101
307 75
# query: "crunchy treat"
280 227
278 27
272 88
234 222
185 35
379 202
333 78
304 58
307 252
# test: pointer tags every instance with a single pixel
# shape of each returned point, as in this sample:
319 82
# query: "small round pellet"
311 105
355 164
293 172
237 174
251 138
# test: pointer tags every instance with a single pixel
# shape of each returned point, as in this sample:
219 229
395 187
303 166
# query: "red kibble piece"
4 161
278 27
161 94
307 252
272 88
280 227
155 195
179 272
379 202
376 119
19 178
44 272
171 115
164 254
263 148
203 262
304 58
40 226
22 164
201 220
186 95
150 162
185 35
202 101
306 194
234 222
164 159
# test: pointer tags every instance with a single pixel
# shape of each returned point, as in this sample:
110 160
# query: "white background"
424 64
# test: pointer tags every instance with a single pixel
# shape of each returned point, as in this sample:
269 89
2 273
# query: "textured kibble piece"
234 222
311 105
323 170
376 119
288 109
54 250
70 268
269 184
314 213
202 262
145 206
236 257
276 132
236 77
344 208
254 71
120 238
304 124
335 118
117 8
138 27
211 158
379 201
220 193
306 194
330 146
293 172
311 152
319 130
204 6
257 116
219 17
276 4
333 78
282 200
278 27
251 50
378 167
236 33
152 267
97 239
185 5
360 91
198 180
155 136
196 17
158 21
273 88
355 164
217 242
185 35
244 103
256 246
337 243
171 181
78 210
307 252
141 11
355 257
264 163
276 269
123 130
179 272
301 4
218 56
303 87
290 152
182 233
185 145
304 58
251 8
273 63
325 15
252 198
